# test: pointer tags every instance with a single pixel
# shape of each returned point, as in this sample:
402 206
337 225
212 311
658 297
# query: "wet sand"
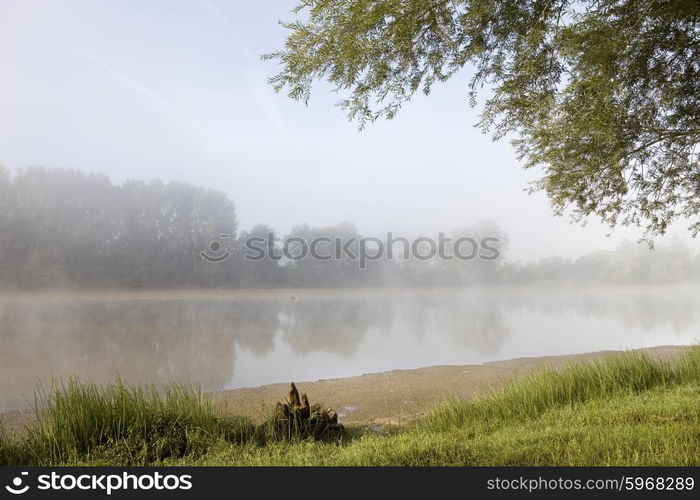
389 398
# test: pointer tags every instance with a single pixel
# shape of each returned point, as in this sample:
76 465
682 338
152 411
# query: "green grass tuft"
134 425
529 396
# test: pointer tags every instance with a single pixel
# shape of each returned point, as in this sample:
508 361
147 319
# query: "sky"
176 90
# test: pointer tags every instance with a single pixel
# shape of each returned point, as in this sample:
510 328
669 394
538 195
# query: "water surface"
222 340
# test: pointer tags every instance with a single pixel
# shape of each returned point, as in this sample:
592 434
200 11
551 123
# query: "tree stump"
297 418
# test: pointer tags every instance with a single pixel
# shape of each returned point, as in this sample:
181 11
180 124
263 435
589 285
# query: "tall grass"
135 424
5 446
531 395
125 424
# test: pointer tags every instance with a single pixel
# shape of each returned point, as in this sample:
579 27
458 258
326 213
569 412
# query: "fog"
154 189
176 90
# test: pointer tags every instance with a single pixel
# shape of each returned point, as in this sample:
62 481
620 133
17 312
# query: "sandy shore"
390 398
399 396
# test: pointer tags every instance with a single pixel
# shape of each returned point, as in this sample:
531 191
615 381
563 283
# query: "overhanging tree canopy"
604 96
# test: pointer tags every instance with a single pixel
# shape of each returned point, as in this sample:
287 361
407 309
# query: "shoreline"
386 399
102 294
397 397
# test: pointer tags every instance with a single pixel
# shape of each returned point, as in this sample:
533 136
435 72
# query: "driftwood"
296 417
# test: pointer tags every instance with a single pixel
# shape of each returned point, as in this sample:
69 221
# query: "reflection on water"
243 339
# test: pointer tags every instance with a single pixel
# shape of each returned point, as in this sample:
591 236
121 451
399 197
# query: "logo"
220 254
16 488
103 482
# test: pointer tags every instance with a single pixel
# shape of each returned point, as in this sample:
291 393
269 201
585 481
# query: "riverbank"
399 397
393 398
621 409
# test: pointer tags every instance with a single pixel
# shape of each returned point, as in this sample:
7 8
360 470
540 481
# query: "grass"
531 396
135 425
623 410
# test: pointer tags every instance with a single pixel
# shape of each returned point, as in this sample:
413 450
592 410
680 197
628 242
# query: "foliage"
604 96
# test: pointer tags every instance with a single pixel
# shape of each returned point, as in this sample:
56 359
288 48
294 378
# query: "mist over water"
135 168
223 340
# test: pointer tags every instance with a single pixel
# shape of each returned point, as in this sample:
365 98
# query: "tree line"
65 228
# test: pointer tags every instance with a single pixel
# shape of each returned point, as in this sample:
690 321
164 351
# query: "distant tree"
630 263
333 268
489 252
469 255
266 271
603 95
63 227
